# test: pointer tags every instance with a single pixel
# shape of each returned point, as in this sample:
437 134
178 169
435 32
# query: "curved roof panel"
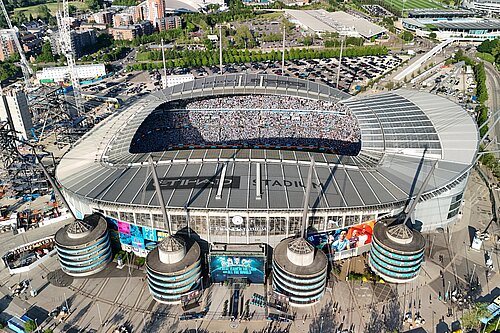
402 133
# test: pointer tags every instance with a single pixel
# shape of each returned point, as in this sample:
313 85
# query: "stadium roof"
321 21
469 25
396 129
440 12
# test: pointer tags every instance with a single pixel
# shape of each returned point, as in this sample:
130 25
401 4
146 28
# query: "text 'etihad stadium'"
229 182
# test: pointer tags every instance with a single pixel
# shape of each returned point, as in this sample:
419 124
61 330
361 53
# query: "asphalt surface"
493 85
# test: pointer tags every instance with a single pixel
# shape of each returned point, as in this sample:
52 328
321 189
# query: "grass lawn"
414 4
270 16
486 56
53 7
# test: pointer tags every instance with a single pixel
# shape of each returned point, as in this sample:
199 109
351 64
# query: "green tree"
93 4
471 319
72 9
43 12
29 326
46 54
432 35
407 36
19 17
307 40
48 330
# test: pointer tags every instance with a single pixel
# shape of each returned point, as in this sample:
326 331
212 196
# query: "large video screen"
224 267
343 239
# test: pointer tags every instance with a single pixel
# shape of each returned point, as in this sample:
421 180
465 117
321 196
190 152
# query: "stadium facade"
490 7
248 195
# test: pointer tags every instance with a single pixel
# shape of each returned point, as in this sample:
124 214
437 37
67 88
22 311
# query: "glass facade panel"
367 217
351 220
113 214
238 230
218 225
143 219
294 225
277 226
178 222
127 217
317 223
334 222
198 224
455 205
159 222
257 226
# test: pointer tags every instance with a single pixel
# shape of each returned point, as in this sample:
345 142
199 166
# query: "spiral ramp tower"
397 252
299 272
83 246
173 269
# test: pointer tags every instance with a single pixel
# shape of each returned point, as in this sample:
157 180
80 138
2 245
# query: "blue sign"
149 234
224 267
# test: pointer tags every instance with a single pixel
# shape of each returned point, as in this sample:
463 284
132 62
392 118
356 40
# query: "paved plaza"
121 297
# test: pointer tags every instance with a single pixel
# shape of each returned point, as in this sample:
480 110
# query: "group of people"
249 121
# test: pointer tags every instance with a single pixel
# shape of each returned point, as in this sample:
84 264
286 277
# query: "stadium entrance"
233 262
238 273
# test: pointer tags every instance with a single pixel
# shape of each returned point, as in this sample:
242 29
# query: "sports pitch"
414 4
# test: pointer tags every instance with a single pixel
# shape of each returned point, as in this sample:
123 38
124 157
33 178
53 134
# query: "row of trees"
492 48
209 58
480 76
124 2
481 90
335 42
8 69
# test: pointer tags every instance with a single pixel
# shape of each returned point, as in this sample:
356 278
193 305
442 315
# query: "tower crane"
64 24
27 72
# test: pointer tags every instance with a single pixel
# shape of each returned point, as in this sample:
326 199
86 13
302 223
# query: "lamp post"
472 275
99 313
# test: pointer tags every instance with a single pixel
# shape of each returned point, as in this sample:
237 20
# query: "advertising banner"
161 235
343 239
149 234
133 237
224 267
114 235
123 228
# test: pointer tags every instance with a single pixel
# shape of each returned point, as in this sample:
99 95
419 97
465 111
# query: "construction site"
39 121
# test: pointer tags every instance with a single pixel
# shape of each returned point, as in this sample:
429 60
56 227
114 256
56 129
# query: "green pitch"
414 4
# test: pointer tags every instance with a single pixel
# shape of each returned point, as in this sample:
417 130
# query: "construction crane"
64 24
27 72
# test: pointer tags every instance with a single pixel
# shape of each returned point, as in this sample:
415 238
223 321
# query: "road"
493 85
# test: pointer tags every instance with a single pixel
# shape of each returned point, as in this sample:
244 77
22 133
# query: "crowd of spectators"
265 121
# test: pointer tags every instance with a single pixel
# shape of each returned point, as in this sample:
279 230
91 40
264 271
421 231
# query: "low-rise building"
31 43
467 29
14 109
173 80
320 22
132 31
170 22
489 7
35 26
79 40
59 74
123 19
92 25
440 13
7 44
103 17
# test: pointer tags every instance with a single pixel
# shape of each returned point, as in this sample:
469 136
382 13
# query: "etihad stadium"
232 154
